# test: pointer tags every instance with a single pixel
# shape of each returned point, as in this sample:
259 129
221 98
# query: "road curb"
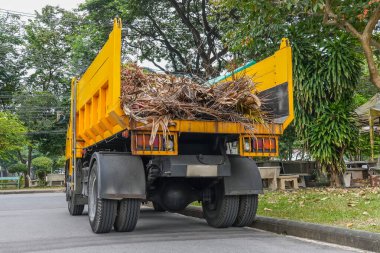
30 191
341 236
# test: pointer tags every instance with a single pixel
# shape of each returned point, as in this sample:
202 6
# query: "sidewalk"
33 190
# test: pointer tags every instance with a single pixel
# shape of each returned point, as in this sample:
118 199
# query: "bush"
61 161
41 175
18 168
42 163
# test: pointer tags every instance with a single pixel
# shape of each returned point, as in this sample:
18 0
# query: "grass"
349 208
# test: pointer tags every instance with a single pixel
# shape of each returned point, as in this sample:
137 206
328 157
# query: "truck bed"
97 98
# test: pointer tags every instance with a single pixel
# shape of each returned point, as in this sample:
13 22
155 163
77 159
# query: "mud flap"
119 176
245 177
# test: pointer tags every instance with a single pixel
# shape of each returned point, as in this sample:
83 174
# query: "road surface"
41 223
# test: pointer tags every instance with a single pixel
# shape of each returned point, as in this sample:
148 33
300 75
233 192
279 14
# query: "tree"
11 68
330 136
326 75
358 18
60 162
186 34
42 166
48 50
19 168
12 135
38 111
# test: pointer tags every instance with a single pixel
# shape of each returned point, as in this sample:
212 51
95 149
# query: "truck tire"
73 208
247 210
127 215
157 207
222 211
101 212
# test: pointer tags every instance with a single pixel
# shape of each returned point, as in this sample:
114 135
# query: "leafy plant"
12 135
329 137
326 75
42 166
18 168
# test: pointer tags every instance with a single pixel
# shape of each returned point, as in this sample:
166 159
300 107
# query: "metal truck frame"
111 167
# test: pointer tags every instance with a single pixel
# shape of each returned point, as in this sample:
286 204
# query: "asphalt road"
41 223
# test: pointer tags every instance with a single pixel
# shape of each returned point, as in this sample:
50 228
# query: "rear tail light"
141 143
259 146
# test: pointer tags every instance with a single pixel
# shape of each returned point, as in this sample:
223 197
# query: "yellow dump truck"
112 168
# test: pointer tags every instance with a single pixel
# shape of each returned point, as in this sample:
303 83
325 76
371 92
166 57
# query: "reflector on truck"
258 145
160 146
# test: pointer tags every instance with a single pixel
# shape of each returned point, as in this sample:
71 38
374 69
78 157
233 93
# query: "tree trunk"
27 176
335 179
372 68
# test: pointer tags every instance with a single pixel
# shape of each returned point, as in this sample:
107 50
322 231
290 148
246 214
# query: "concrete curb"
341 236
30 191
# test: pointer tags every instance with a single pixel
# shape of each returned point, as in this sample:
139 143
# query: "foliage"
331 134
326 75
286 143
48 50
12 135
39 112
184 34
11 68
42 163
60 162
359 19
18 168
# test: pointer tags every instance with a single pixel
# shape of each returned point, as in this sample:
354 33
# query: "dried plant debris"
155 99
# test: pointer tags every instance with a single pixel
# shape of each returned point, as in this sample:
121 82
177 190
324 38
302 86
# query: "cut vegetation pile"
156 99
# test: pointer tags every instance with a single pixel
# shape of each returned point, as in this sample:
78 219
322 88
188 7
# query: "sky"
29 6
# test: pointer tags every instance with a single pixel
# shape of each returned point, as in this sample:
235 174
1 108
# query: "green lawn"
350 208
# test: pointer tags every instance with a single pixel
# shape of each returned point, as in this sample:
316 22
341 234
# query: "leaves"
12 134
176 36
11 66
42 163
48 50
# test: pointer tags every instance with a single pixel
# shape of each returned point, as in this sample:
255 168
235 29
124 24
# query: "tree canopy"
184 34
12 135
11 67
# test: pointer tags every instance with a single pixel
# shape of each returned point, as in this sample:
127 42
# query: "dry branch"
156 99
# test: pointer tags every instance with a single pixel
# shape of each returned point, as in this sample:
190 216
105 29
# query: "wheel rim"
92 198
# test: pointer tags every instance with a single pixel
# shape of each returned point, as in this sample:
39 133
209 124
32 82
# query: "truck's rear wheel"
101 212
157 207
247 210
73 208
222 210
127 215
